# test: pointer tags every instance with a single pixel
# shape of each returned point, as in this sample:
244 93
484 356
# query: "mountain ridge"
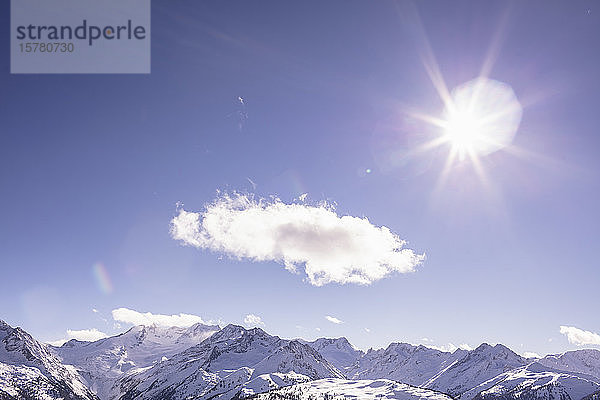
208 362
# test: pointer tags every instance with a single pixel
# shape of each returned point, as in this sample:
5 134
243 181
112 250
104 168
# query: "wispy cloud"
138 318
253 320
331 248
579 336
333 319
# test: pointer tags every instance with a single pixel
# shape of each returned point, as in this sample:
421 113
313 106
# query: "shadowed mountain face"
205 362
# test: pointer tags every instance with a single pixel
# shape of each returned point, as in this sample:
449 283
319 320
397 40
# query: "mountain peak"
37 371
482 347
231 332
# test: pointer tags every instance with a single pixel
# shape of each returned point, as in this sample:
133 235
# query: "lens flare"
102 278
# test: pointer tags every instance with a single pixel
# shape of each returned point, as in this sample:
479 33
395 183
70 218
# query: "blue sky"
92 169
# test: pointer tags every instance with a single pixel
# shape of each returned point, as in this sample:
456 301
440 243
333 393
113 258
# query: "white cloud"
331 248
450 347
333 319
579 336
531 354
137 318
94 310
253 320
56 343
88 335
367 330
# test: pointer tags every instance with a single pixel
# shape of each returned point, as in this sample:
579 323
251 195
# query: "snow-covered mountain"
300 358
224 364
102 362
535 381
585 361
477 366
29 370
340 389
207 363
403 362
338 351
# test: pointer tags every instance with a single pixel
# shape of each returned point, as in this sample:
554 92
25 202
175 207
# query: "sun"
464 132
480 117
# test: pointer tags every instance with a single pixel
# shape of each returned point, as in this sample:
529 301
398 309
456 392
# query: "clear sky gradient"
92 167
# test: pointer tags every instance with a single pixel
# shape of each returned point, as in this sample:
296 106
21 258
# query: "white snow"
338 389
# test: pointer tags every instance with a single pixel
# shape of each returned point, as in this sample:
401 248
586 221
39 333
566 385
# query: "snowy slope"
167 381
266 382
29 369
300 358
403 362
339 389
535 382
476 367
338 352
585 361
239 385
104 361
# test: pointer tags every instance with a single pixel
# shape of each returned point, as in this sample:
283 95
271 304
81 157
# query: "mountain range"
231 363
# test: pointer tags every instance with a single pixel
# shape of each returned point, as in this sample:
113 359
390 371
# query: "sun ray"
411 19
479 117
496 44
445 171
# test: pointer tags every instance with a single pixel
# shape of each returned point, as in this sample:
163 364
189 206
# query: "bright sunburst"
464 132
481 117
